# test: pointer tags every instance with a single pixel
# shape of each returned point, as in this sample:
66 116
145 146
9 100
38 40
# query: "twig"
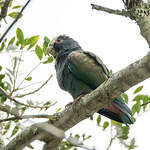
73 141
16 75
26 117
16 19
7 109
111 140
28 74
111 11
20 96
145 103
110 143
4 9
20 103
30 85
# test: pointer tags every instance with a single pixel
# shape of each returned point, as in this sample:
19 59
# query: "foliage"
9 80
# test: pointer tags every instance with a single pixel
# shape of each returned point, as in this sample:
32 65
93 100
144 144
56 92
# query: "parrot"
80 72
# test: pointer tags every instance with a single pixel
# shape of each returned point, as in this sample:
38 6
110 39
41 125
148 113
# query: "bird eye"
58 41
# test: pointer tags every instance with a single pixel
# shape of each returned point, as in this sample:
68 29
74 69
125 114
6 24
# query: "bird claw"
74 102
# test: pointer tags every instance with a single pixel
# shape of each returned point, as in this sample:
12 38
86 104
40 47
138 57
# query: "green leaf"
16 7
2 76
11 42
15 63
45 44
13 14
136 107
110 72
20 36
138 89
98 120
145 99
47 103
10 4
2 46
105 125
28 78
0 68
132 144
58 109
88 137
15 130
7 127
49 60
31 41
125 97
115 123
77 136
39 52
133 109
122 132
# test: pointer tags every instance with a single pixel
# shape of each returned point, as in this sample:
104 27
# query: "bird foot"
75 100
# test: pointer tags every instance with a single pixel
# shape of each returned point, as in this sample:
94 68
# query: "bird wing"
88 68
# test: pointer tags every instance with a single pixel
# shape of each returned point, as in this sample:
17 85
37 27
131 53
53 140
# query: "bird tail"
118 111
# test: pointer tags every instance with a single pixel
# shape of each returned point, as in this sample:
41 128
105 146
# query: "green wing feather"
88 68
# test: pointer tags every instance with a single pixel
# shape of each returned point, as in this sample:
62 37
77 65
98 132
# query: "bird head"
62 45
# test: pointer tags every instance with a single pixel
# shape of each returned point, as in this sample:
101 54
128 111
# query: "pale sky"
115 39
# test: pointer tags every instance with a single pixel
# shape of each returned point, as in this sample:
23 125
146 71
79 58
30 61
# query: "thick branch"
89 104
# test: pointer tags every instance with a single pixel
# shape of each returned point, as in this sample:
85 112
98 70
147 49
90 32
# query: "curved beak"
50 49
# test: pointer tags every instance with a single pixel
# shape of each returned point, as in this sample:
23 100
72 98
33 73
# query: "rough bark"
142 17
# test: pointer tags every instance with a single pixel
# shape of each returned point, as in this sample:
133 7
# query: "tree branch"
33 92
23 104
7 109
4 9
16 19
145 103
111 11
25 117
139 11
89 104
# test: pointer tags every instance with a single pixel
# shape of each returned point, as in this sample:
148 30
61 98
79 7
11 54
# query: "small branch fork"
33 92
27 105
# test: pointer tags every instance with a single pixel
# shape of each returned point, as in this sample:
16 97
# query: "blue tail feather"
118 111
